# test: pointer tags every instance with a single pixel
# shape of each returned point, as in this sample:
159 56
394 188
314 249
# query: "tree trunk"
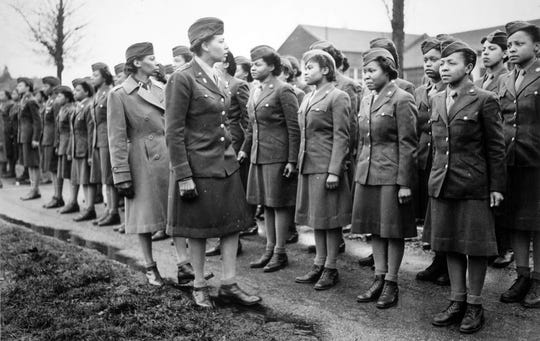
60 37
398 35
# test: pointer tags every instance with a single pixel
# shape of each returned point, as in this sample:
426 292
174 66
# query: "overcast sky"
115 24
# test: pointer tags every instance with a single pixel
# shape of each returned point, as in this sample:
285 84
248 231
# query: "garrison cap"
261 51
286 64
316 52
119 68
63 89
180 49
204 28
515 26
458 46
386 44
139 50
496 37
99 66
321 45
430 44
376 52
241 60
26 81
51 80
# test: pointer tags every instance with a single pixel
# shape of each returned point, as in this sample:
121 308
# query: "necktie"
257 93
519 79
432 91
450 100
487 80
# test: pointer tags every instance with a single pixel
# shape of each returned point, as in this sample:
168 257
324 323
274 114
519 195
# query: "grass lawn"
51 290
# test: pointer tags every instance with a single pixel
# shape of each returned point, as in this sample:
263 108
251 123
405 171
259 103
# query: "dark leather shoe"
311 249
329 278
374 291
153 276
259 213
159 235
100 219
389 296
70 208
111 219
261 262
250 231
87 214
277 262
473 320
54 203
312 276
233 293
517 291
503 260
366 261
31 196
451 315
532 299
186 274
201 296
432 272
214 251
293 238
443 279
122 229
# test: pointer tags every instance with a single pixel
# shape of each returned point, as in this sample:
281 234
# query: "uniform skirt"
522 202
95 168
80 171
64 167
462 226
49 159
106 167
321 208
376 210
267 186
219 210
28 156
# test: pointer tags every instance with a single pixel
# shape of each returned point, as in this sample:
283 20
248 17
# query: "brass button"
222 125
146 118
223 113
156 157
222 139
151 137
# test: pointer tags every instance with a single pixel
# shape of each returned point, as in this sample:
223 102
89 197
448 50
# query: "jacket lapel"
202 78
465 97
151 96
319 96
440 100
509 83
267 90
384 96
532 74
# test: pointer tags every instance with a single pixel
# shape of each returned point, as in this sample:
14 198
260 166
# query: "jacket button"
429 144
222 125
222 139
515 101
513 139
447 152
156 157
446 166
222 100
465 118
446 139
223 113
266 105
515 125
151 137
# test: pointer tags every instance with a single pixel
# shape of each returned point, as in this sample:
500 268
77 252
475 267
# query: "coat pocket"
468 117
154 148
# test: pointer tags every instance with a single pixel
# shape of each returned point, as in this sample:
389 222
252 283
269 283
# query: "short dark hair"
231 64
87 88
324 62
68 95
29 85
43 95
336 54
533 32
275 60
107 76
130 67
187 57
387 66
346 64
469 57
7 93
197 49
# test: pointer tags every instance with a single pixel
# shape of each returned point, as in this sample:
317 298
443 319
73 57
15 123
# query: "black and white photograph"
302 170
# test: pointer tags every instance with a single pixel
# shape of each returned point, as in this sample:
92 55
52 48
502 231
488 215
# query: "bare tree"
397 20
52 27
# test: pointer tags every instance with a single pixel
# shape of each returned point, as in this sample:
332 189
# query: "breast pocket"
468 117
387 111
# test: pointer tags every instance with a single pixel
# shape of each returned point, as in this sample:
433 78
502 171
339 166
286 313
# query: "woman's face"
216 48
492 54
260 70
147 65
60 98
521 48
119 78
14 95
432 63
78 93
453 68
313 73
241 73
374 76
178 61
97 78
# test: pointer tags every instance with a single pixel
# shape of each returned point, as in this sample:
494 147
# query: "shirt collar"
527 67
210 72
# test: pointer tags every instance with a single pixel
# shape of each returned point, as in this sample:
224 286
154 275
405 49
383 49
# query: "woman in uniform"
102 80
119 74
466 181
6 103
272 139
49 158
519 92
29 133
65 101
385 173
324 195
82 125
208 190
12 128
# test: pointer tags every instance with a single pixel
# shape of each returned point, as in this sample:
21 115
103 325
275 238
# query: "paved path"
335 310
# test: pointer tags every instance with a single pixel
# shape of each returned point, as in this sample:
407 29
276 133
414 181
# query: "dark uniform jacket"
354 90
100 117
199 143
324 131
50 112
237 116
405 85
493 86
387 138
82 126
468 146
29 121
423 97
273 135
5 108
63 128
521 117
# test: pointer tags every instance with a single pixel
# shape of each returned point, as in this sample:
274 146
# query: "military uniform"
49 158
101 142
29 127
82 127
63 139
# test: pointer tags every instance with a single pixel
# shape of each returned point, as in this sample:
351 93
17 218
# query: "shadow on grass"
52 290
